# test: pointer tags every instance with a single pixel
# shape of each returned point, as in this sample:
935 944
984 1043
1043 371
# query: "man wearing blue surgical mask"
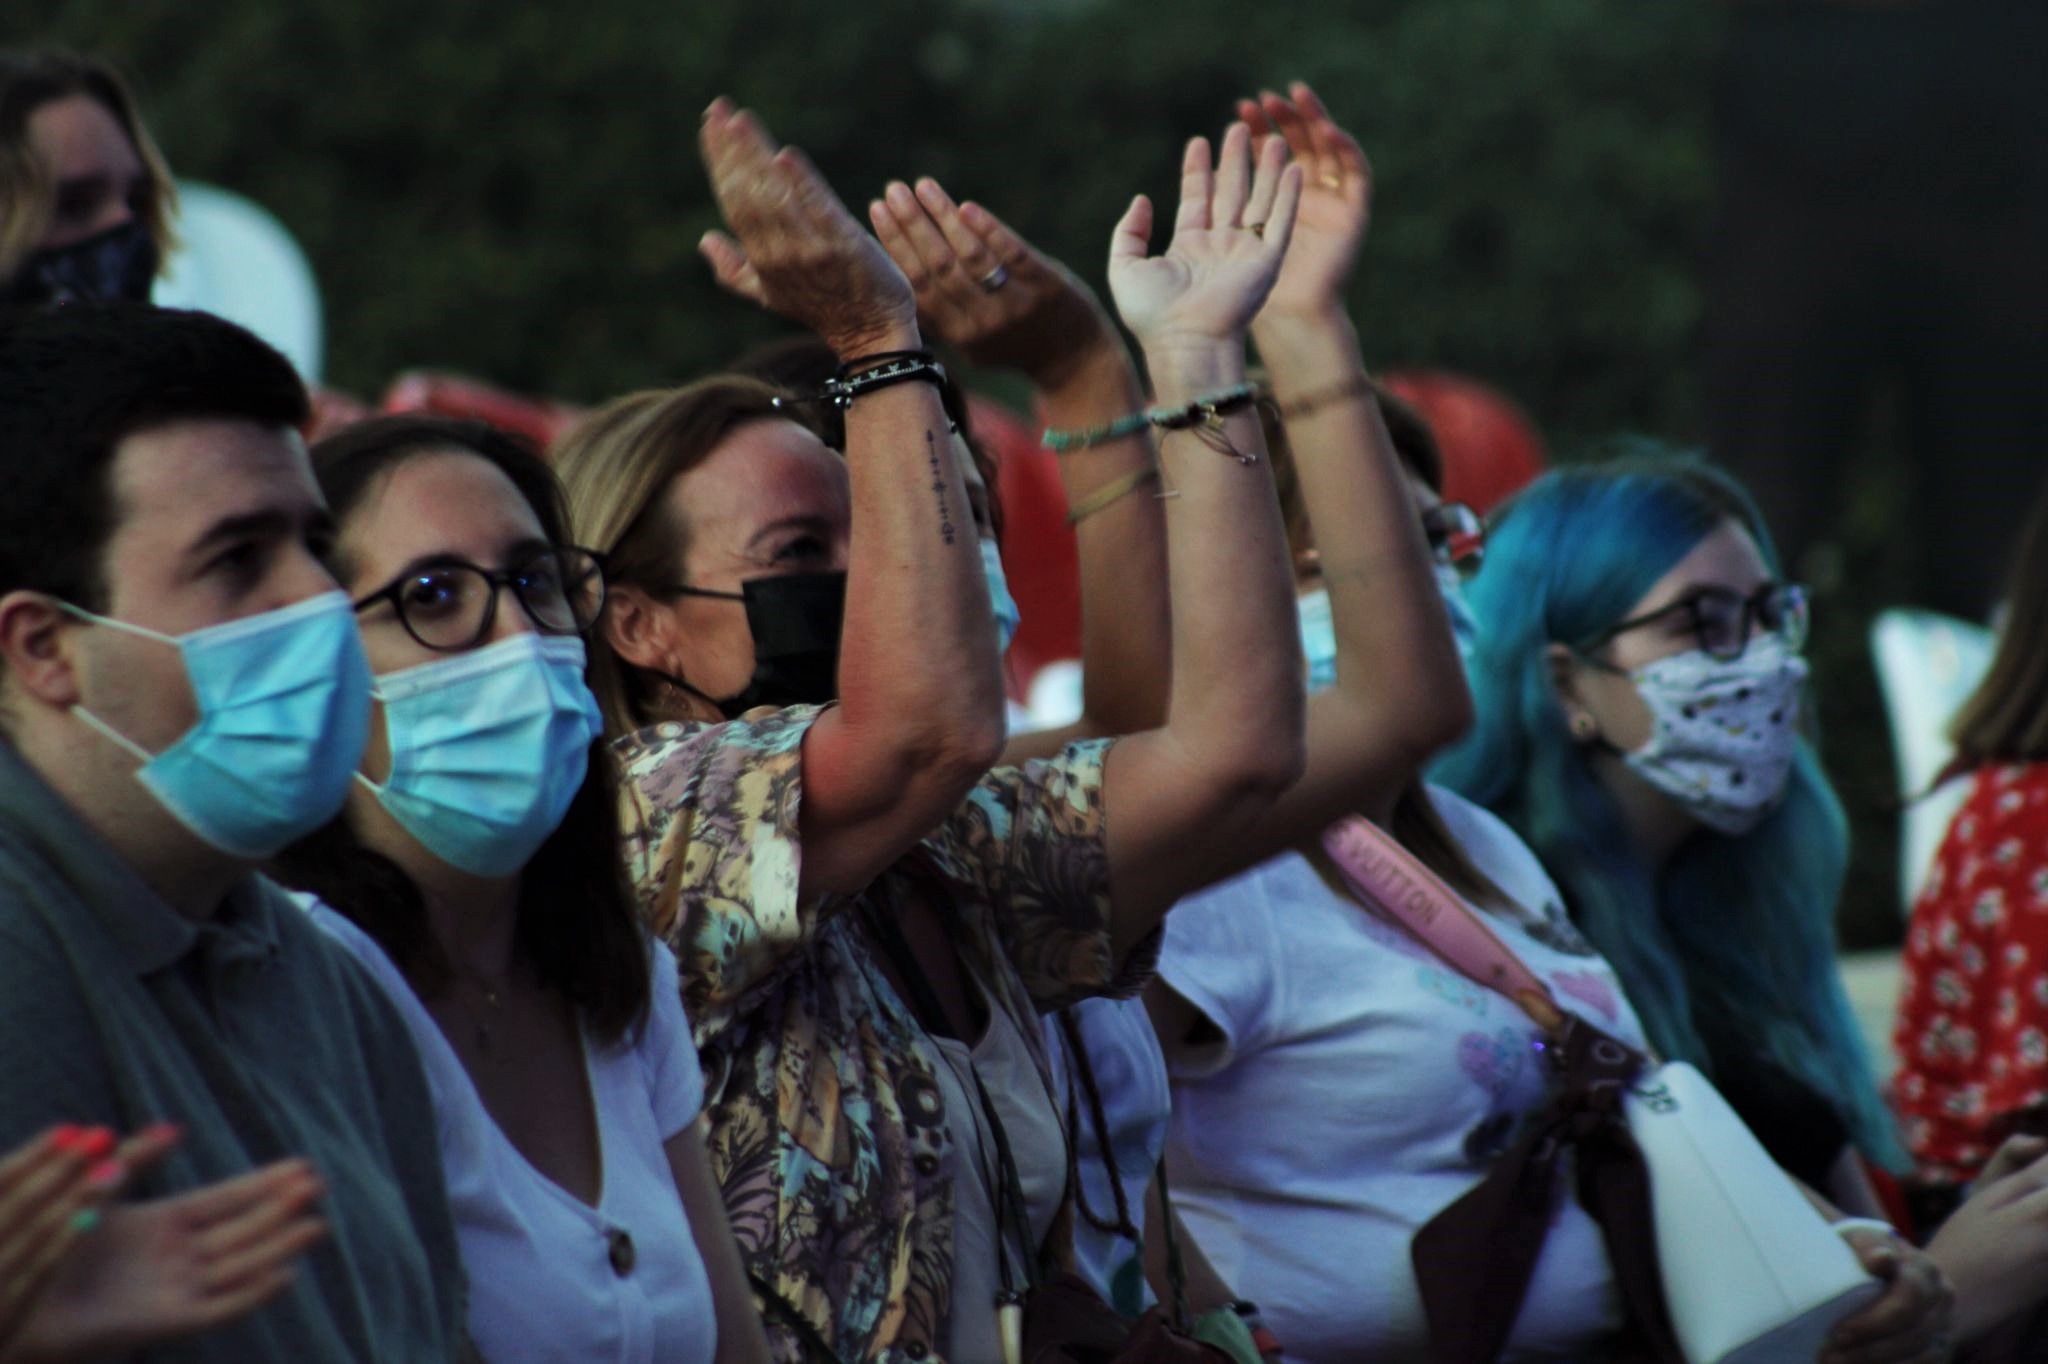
182 692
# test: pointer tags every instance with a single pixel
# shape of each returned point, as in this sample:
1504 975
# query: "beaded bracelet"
872 372
1203 411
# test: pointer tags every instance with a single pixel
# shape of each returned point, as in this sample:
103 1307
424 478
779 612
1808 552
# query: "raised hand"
1229 237
1336 198
177 1266
983 289
793 247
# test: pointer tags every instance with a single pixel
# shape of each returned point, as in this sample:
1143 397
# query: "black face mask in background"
118 264
795 619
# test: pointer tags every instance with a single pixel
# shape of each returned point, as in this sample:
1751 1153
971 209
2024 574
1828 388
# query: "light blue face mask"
1464 625
284 710
488 748
1008 617
1319 630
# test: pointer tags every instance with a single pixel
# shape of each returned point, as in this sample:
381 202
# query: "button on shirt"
554 1280
258 1036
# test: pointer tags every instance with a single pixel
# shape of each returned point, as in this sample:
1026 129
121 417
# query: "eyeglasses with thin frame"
1723 621
1456 535
452 604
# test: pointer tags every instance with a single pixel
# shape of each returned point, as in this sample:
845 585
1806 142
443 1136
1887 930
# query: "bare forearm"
1122 546
1236 663
1398 670
918 649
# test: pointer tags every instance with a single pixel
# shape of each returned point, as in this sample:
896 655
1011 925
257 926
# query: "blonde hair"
617 465
28 193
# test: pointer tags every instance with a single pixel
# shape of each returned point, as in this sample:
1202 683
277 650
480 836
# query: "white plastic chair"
237 261
1927 666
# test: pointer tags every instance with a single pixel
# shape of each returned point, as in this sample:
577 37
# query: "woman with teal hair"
1639 683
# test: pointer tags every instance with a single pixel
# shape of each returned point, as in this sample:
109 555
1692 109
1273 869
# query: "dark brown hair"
2006 718
577 925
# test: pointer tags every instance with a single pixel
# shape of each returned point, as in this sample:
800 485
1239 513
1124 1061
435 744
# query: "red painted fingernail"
67 1137
106 1174
96 1142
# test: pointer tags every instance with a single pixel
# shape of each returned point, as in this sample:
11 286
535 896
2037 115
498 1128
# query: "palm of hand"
1208 284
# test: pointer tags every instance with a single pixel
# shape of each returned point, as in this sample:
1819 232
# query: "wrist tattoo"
931 450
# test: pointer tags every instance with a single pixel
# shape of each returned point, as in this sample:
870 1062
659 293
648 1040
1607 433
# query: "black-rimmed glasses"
452 604
1722 620
1455 533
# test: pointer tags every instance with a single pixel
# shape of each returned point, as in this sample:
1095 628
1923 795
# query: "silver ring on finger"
994 279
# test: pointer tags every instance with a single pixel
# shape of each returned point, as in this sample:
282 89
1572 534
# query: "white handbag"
1752 1274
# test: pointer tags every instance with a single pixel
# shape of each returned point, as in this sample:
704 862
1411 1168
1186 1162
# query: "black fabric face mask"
795 619
118 264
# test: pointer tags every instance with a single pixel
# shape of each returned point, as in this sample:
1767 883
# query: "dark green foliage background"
512 189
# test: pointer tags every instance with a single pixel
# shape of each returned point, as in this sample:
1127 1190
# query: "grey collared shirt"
257 1035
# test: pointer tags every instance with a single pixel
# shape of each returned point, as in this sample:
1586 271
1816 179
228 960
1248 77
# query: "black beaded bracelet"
872 372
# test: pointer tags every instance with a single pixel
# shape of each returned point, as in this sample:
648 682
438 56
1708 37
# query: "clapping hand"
1229 238
1336 198
172 1266
793 247
983 289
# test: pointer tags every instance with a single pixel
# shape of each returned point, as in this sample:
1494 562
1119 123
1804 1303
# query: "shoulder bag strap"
1384 874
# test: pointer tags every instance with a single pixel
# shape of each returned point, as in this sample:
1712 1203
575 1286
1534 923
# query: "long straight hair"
2006 718
577 923
1739 930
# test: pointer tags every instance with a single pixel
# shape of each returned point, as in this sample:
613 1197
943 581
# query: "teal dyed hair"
1738 929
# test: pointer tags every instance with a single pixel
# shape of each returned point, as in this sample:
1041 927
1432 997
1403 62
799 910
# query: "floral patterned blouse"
1972 1031
828 1133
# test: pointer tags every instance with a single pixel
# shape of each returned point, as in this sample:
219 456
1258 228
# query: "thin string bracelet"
1113 491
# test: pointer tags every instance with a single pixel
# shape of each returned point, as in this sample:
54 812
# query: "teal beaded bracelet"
1200 412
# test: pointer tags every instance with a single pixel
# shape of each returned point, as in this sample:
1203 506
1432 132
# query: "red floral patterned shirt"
1972 1030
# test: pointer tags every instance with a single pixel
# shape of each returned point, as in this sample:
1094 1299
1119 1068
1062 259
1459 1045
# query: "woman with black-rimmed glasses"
475 874
1640 687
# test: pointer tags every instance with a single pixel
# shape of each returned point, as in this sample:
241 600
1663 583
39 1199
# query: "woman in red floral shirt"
1972 1034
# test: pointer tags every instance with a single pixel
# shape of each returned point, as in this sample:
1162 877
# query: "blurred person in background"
86 201
856 997
475 874
182 694
1972 1031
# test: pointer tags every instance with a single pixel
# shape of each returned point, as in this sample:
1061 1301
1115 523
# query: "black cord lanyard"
1006 1195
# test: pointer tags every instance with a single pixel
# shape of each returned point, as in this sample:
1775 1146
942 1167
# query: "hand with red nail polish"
173 1266
44 1185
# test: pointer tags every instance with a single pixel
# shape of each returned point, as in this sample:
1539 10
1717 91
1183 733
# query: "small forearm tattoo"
931 449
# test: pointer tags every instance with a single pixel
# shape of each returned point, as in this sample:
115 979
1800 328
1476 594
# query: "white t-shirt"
542 1286
1130 1073
1363 1086
1031 1125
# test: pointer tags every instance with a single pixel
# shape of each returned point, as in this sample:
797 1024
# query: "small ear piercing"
1582 726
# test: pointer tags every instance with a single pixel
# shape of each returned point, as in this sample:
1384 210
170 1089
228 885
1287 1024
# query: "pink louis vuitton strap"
1387 875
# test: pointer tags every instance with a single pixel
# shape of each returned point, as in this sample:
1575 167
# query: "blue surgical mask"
1008 617
488 749
1464 625
1318 638
1319 628
284 712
